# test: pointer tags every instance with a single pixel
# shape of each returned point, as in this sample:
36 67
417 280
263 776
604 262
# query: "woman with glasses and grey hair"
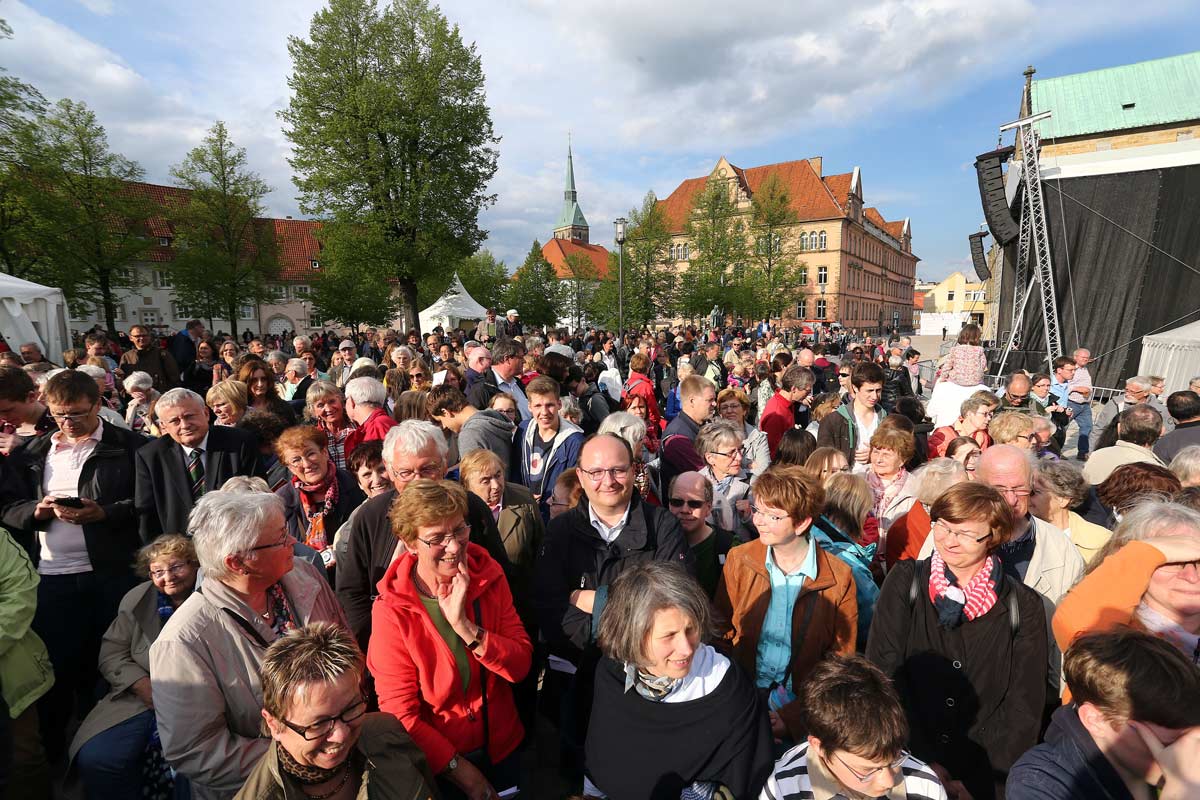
719 443
205 663
447 644
324 743
663 694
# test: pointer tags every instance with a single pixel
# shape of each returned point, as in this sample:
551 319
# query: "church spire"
571 222
569 194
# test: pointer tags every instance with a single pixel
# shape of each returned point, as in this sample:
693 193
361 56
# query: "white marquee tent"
30 312
1173 354
454 306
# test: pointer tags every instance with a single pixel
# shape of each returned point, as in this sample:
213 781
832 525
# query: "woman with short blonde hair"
227 399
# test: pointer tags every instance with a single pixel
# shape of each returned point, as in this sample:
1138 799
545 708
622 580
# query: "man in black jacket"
174 470
508 355
413 449
68 497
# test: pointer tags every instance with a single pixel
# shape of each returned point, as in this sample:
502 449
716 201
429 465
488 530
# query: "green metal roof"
571 214
1139 95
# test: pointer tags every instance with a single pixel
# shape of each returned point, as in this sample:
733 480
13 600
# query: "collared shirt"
775 641
1081 378
62 544
202 447
513 387
1060 390
608 534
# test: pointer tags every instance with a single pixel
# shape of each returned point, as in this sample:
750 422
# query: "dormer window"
164 241
314 263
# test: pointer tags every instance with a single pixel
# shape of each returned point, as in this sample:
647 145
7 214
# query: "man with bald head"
1018 396
479 361
1139 428
586 548
690 498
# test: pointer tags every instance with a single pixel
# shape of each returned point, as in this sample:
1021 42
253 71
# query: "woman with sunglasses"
324 744
207 661
965 645
974 415
111 744
419 376
447 645
719 443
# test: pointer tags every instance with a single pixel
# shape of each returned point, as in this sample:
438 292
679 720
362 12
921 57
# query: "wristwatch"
477 641
452 764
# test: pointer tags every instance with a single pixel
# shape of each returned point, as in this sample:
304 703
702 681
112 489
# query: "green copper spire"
571 215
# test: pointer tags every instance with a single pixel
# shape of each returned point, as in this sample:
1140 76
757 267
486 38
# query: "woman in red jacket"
447 643
640 385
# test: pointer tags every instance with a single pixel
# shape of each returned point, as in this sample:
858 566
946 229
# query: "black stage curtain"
1118 288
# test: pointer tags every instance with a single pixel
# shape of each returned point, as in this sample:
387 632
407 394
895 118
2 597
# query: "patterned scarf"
165 609
648 686
955 604
317 500
1156 623
306 774
885 493
283 619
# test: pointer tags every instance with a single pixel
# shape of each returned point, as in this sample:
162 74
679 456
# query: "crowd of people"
715 563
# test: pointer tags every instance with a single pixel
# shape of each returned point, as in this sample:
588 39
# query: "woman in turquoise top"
848 501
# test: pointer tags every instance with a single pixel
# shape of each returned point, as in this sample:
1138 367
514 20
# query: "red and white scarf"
317 500
954 602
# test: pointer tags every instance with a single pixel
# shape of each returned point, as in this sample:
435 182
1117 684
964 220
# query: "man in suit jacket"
183 344
174 470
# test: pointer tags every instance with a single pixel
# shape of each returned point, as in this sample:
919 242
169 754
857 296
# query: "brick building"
860 266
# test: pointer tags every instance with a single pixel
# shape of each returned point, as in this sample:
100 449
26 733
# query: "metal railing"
928 371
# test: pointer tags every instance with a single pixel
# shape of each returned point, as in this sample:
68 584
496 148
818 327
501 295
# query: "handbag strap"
483 690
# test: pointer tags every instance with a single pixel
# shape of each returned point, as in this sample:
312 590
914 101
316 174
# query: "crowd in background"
717 563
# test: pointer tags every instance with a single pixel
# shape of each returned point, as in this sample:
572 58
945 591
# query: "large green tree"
535 291
649 279
484 278
226 254
90 225
777 277
717 274
350 290
391 131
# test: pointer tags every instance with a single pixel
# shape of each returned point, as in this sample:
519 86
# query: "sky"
651 94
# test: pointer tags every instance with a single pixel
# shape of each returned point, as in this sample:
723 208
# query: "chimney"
289 216
816 165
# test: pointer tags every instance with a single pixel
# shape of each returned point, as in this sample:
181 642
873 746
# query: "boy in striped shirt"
855 745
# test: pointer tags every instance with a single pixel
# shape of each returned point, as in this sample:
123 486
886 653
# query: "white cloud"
101 7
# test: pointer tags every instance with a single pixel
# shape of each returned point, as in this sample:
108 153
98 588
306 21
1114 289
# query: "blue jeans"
110 763
1082 414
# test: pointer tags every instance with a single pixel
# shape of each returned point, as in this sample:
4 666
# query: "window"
300 290
315 321
246 312
673 257
686 253
822 240
804 276
803 240
162 279
820 309
802 309
277 291
164 241
950 296
314 263
822 275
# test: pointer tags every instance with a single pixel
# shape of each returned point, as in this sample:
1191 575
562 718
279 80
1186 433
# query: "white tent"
1174 354
454 306
30 312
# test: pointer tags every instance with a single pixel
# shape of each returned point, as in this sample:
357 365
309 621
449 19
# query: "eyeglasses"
962 535
864 777
731 454
1014 491
174 569
73 416
430 471
417 376
758 512
311 458
678 502
1018 398
843 374
460 535
597 475
282 542
325 726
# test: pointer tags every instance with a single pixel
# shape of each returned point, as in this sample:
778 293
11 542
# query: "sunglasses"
678 502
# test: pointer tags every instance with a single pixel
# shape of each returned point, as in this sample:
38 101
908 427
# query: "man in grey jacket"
487 429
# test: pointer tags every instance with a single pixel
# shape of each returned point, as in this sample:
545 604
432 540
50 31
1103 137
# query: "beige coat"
124 659
1105 461
204 672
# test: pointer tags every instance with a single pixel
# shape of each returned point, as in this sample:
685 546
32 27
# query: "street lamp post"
825 309
620 238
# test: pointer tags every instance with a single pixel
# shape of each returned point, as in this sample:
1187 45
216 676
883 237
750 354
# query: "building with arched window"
861 266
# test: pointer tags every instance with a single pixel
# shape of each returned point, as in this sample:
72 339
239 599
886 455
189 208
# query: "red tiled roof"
811 197
298 244
556 251
896 229
839 187
874 215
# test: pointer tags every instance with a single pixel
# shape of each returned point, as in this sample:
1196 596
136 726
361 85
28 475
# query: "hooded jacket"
487 429
563 454
417 679
840 430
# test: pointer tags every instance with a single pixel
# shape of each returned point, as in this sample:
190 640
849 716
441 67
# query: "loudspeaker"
989 171
977 256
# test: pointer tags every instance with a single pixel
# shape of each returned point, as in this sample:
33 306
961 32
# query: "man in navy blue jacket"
1133 725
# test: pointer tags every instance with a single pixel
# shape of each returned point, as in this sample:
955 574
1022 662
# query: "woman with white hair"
142 396
100 376
205 663
720 445
632 429
1186 466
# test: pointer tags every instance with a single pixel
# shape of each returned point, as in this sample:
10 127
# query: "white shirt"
203 448
608 534
62 545
513 387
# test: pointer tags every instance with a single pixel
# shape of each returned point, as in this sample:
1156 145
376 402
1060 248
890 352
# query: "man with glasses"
146 356
690 498
779 414
1137 392
412 449
1079 398
1018 396
508 356
857 732
68 497
189 460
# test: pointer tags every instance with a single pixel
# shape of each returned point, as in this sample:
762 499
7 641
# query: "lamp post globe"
619 235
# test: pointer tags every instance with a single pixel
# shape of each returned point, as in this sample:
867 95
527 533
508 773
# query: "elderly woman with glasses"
324 743
326 407
447 645
659 682
207 692
720 445
1058 487
733 405
110 746
965 644
319 497
974 415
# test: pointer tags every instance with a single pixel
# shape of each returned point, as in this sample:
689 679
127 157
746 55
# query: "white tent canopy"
30 312
454 306
1174 354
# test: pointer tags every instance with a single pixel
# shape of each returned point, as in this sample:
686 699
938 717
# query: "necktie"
196 473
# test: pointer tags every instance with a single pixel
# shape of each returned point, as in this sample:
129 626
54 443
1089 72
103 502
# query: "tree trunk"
408 293
106 299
